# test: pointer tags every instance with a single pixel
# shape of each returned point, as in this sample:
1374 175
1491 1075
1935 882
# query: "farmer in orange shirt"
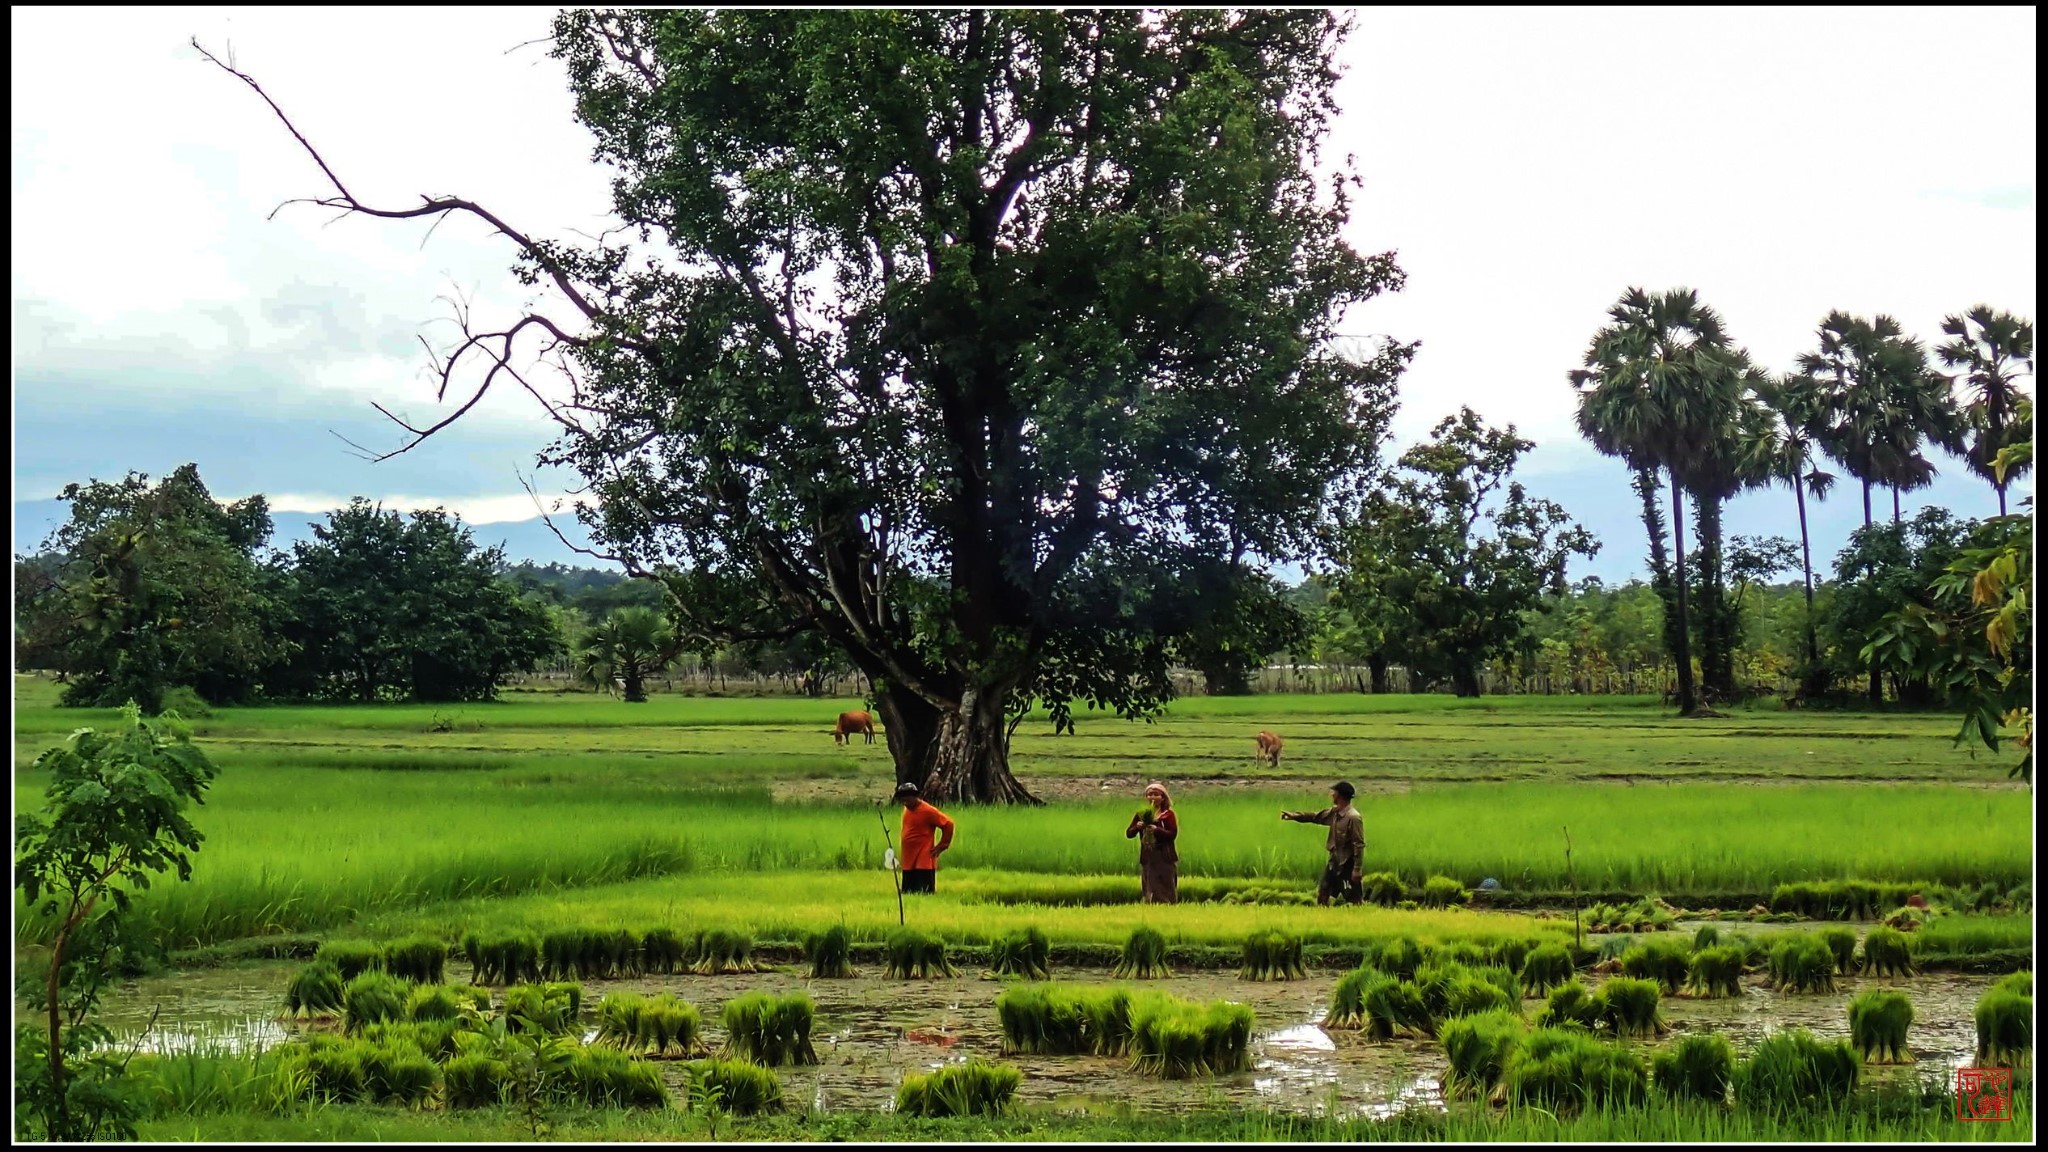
920 856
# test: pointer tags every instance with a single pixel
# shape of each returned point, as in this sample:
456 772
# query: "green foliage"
1444 892
628 645
663 951
1395 1007
1546 967
738 1087
769 1029
1883 568
1802 962
1793 1070
548 1007
1705 936
1025 952
1399 956
1347 999
1887 952
602 1078
1841 943
1630 1007
1270 956
975 1088
476 1080
351 958
1699 1066
915 955
829 953
503 959
2005 1025
1559 1068
1144 956
1878 1020
417 959
433 1002
1715 973
373 997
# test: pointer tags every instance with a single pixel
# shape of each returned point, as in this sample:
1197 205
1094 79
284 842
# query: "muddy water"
870 1032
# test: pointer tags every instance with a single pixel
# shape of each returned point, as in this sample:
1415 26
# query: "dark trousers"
1338 884
919 880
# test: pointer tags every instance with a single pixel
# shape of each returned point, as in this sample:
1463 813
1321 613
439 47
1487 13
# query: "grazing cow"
1269 748
851 722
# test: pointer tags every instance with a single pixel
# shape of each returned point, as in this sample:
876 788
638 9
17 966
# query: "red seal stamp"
1983 1093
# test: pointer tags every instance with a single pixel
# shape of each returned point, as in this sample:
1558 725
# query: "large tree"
972 336
1462 548
1994 350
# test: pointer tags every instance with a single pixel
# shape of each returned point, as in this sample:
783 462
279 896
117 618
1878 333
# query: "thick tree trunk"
1465 680
1226 680
1646 485
636 686
1378 664
911 726
971 756
1688 696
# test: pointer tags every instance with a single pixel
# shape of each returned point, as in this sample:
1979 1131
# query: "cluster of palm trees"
1668 392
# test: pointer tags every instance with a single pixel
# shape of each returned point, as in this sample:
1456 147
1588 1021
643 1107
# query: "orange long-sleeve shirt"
918 823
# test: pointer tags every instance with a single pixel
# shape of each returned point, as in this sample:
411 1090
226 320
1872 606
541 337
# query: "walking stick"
896 872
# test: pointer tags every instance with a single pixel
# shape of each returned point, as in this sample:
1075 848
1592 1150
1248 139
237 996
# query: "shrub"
1546 967
1025 952
1398 957
720 951
1887 952
1663 961
1801 963
1347 1000
1271 956
1564 1067
2005 1026
372 997
830 953
769 1029
1878 1020
1569 1006
1383 888
351 958
915 956
433 1002
1697 1067
1630 1007
603 1078
315 991
1175 1039
975 1088
1715 973
734 1086
1444 892
1791 1071
1144 956
663 951
1477 1047
417 959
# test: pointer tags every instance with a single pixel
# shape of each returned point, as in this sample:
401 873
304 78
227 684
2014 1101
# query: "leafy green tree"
112 820
627 646
1245 618
963 322
1994 349
1782 442
1885 568
1419 543
393 608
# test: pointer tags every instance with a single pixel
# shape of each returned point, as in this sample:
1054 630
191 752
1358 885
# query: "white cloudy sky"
1528 166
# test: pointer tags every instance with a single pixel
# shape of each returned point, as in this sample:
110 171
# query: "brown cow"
1269 748
851 722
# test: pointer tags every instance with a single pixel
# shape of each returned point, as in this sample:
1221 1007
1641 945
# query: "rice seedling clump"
1347 1000
1470 993
1025 952
1383 888
503 959
2020 982
1699 1066
770 1030
1663 961
351 957
913 955
2005 1025
1398 957
1630 1007
722 951
1144 956
1272 956
1477 1047
1801 963
417 959
548 1007
975 1088
370 998
1175 1039
1792 1070
830 953
1393 1007
1715 973
1878 1021
475 1080
663 951
316 990
736 1087
1841 943
1706 936
1546 967
604 1078
1051 1019
433 1002
1559 1068
1569 1006
1444 892
1887 952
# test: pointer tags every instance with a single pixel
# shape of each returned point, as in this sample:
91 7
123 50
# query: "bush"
1144 956
1801 963
915 956
316 990
1887 952
1663 961
1792 1071
733 1086
1630 1007
769 1029
1271 956
417 959
1697 1067
1477 1047
975 1088
1561 1068
1444 892
1841 944
1569 1006
370 998
1025 953
1715 973
2005 1026
830 953
1175 1039
1546 967
1878 1021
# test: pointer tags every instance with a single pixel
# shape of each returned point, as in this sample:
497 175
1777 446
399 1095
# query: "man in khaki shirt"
1347 845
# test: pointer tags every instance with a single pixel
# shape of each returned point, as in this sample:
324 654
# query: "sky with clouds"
1527 165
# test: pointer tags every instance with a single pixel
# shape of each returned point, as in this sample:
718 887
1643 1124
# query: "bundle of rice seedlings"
1037 1020
433 1002
550 1007
398 1073
1705 936
475 1080
1174 1039
1887 952
737 1087
663 951
2005 1026
913 955
1878 1020
1907 919
471 996
333 1072
1444 892
1561 1068
619 952
1546 967
830 953
1477 1047
1801 963
1271 956
1699 1066
1841 944
2020 982
1398 957
770 1030
435 1038
618 1019
1025 952
1144 956
667 1024
1715 973
370 998
1510 953
561 954
1569 1006
1384 888
720 951
1470 994
1347 1001
1630 1007
975 1088
1396 1006
1755 951
315 991
1664 961
1106 1020
416 958
1504 979
1434 977
603 1078
503 959
1792 1070
1463 952
351 958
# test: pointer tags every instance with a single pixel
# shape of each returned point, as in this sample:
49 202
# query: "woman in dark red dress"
1156 830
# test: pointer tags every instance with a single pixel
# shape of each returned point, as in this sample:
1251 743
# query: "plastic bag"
889 859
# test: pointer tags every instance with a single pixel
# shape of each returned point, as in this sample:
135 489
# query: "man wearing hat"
1346 844
920 856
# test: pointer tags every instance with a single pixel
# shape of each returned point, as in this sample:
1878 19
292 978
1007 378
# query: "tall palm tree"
1647 395
1881 404
1780 441
1731 385
628 646
1994 349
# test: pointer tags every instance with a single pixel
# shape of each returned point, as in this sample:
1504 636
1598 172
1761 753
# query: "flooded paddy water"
870 1032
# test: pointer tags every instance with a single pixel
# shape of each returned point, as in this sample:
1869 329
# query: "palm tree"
1779 440
1880 401
1731 390
1648 393
1994 349
630 645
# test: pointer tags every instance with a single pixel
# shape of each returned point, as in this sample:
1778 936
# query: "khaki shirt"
1347 831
